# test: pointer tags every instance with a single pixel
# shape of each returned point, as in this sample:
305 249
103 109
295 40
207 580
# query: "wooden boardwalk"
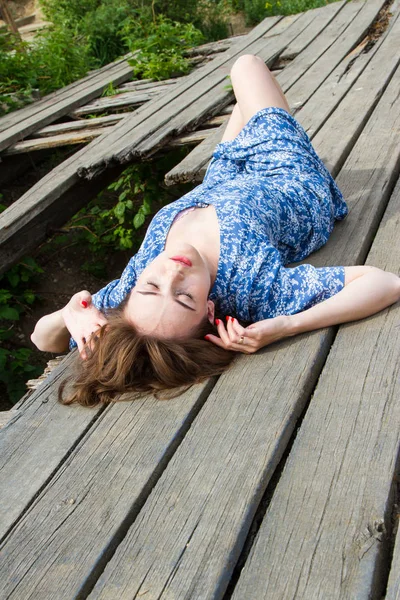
280 479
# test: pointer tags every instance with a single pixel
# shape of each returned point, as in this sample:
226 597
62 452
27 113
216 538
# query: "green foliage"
15 297
56 58
160 47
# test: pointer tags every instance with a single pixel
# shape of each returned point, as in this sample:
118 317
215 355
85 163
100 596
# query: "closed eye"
185 294
153 284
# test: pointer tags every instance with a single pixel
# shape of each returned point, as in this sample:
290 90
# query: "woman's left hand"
248 339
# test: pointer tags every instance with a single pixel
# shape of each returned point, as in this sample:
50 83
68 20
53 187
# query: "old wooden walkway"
280 479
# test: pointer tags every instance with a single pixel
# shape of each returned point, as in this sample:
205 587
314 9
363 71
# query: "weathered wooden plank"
199 106
123 100
393 588
360 176
48 110
199 103
33 217
34 443
322 42
332 507
238 438
55 141
146 84
110 473
321 69
319 19
16 116
79 124
193 167
151 116
189 533
358 104
366 75
195 162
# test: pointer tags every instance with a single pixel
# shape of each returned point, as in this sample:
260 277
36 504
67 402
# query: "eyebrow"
175 299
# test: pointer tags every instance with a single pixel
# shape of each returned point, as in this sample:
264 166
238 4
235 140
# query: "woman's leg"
235 124
255 88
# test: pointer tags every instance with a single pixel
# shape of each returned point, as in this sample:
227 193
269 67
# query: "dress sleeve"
296 289
114 292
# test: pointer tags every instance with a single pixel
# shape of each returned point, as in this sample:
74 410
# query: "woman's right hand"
248 339
82 319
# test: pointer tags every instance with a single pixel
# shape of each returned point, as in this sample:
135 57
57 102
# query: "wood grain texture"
393 587
34 443
151 116
56 141
363 76
194 165
357 106
204 524
71 529
319 18
54 106
322 42
325 533
189 533
350 37
367 176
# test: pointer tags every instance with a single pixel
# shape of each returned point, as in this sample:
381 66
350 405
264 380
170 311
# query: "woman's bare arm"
50 333
367 291
79 319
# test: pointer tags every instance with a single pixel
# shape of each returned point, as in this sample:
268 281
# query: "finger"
85 298
222 332
237 330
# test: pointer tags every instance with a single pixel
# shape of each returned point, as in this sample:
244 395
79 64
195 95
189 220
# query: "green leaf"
138 220
8 313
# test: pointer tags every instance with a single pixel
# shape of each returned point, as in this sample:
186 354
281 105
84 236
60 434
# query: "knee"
245 63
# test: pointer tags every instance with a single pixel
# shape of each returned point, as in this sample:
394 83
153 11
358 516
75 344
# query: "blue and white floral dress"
276 203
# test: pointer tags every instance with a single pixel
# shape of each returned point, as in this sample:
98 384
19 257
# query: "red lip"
183 260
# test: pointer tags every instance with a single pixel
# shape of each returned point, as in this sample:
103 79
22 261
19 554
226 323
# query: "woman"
266 200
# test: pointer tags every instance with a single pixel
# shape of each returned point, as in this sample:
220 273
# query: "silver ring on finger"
241 339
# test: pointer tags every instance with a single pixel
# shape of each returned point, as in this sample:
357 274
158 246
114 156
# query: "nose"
175 271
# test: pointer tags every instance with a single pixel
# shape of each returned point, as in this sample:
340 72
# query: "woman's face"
170 298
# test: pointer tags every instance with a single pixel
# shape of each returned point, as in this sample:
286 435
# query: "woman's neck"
200 228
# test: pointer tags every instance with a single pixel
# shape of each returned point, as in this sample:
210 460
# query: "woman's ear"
210 311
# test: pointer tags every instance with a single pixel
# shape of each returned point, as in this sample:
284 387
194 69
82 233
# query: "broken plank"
194 167
33 217
331 509
194 162
201 103
51 108
124 100
55 141
151 116
79 124
127 448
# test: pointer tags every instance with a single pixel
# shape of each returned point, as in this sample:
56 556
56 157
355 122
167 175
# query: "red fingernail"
227 318
217 321
232 319
84 303
206 338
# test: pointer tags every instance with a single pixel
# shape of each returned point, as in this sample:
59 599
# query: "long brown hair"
124 360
